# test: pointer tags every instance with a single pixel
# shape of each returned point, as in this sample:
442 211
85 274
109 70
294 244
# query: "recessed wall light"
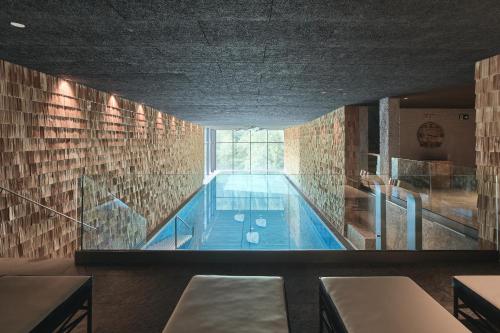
405 97
17 25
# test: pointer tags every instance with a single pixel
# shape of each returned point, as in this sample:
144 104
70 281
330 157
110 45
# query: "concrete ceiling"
266 63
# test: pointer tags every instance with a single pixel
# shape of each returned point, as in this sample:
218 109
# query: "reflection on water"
247 212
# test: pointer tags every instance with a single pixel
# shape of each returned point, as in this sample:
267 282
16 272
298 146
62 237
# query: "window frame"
249 142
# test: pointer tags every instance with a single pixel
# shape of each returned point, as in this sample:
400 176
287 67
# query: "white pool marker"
253 237
261 222
239 217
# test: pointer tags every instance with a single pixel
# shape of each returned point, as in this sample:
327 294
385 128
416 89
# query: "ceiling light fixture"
17 25
405 98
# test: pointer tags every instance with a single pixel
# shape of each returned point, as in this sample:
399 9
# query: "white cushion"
27 300
486 286
228 304
388 304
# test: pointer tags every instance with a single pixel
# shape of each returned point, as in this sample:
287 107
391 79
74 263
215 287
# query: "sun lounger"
387 304
481 295
44 303
228 304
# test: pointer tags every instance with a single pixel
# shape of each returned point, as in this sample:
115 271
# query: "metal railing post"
380 216
175 232
496 210
413 221
178 218
82 180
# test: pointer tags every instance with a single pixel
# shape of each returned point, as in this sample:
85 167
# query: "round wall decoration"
430 135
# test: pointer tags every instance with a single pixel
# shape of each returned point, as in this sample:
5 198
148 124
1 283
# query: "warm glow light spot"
112 101
172 123
62 99
140 118
159 120
64 88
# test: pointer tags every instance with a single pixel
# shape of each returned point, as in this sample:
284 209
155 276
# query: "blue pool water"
246 212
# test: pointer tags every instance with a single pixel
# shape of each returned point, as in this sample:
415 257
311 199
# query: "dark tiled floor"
141 299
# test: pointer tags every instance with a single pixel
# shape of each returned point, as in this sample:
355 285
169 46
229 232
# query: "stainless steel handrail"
413 217
177 217
45 207
413 220
496 210
380 213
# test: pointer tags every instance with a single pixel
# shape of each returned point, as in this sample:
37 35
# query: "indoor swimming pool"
245 212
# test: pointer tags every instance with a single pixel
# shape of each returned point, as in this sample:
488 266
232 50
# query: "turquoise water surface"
246 212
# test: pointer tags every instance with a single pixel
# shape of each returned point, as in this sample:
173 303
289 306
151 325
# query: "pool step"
183 242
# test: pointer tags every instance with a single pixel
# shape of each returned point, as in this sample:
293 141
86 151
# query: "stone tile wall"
324 155
51 130
389 124
487 142
292 150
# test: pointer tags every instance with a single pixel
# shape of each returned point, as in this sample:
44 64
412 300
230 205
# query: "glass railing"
42 213
326 211
125 210
183 233
379 212
446 189
117 225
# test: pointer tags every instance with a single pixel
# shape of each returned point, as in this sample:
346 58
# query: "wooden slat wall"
487 142
51 129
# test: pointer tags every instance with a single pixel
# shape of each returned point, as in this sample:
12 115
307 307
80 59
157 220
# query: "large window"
249 151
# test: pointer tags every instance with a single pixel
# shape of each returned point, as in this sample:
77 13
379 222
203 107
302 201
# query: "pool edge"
152 257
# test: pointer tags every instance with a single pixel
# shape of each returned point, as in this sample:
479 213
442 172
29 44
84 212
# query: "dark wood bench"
45 303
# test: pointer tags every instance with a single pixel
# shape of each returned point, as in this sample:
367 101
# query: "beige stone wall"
389 133
52 130
434 235
487 142
324 154
292 152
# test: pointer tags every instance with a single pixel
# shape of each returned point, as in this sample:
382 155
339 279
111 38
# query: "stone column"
363 138
389 133
487 144
356 142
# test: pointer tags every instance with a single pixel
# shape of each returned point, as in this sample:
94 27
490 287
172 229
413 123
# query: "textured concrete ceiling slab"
265 63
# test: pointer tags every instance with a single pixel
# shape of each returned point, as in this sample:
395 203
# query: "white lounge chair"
481 295
228 304
387 304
